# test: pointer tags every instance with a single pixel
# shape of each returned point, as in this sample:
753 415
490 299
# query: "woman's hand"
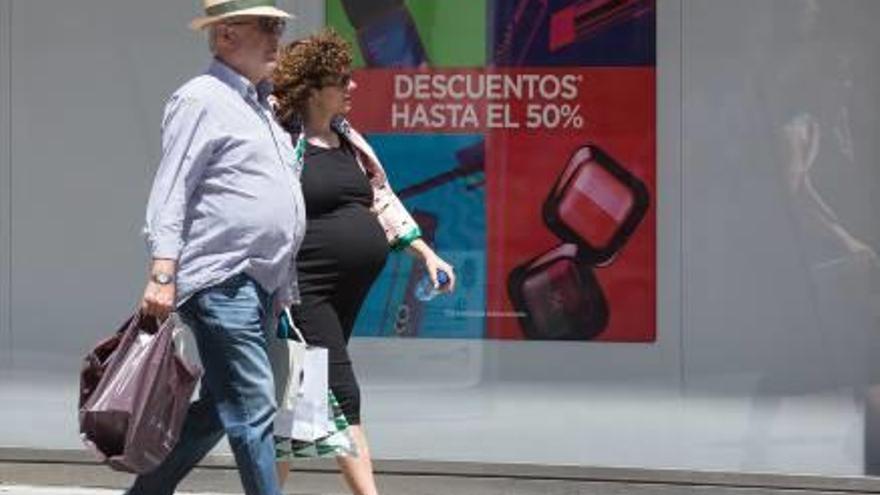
433 264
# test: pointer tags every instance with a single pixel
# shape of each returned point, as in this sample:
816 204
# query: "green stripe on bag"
338 442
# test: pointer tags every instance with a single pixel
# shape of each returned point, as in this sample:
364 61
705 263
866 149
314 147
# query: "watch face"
162 278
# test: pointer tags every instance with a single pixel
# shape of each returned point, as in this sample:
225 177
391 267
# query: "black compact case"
558 296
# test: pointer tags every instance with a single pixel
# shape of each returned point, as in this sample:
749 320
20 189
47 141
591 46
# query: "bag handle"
139 317
290 324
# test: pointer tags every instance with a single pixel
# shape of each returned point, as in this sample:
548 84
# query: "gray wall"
5 196
768 278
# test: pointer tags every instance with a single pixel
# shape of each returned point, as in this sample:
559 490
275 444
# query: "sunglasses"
341 81
268 25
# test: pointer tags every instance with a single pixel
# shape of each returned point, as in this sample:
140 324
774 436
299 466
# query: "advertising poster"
521 134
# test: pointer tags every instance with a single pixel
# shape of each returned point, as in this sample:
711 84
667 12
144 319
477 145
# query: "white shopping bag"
301 385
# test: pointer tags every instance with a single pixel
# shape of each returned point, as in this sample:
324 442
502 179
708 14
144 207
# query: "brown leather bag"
135 390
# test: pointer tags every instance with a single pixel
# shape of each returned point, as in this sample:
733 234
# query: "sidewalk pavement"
55 490
63 490
527 488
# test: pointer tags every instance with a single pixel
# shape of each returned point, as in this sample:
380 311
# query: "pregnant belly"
347 241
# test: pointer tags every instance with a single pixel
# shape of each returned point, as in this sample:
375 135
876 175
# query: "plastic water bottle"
425 290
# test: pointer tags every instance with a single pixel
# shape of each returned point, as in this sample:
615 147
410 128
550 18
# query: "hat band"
236 5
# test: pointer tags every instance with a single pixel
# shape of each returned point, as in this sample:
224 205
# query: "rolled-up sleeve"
187 147
400 227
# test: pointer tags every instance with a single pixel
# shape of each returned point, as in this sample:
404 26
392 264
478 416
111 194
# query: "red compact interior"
594 204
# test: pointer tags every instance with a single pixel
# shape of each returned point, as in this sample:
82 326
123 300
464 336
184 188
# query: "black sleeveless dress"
343 251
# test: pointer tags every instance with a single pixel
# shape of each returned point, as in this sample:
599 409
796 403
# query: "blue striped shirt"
226 198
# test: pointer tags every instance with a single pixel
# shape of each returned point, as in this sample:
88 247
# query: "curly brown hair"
310 63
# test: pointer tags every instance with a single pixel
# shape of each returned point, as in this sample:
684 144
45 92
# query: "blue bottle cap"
442 278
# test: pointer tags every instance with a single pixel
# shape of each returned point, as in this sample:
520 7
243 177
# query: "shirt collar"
240 83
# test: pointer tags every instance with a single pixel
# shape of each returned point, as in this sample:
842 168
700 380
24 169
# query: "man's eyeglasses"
268 25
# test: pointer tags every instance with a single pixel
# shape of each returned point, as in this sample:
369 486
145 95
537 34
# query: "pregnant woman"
353 220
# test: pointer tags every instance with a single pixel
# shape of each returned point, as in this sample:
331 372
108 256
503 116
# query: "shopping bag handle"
290 324
140 317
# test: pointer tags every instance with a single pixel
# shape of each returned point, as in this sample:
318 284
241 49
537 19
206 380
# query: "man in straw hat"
225 218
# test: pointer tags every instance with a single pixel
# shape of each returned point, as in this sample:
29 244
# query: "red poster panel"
536 170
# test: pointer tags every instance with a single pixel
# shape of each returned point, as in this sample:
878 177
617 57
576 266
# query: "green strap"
405 240
300 149
236 5
283 330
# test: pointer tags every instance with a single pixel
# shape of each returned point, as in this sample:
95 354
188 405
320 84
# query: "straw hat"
216 10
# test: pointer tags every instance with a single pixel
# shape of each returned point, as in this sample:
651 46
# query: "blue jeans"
237 394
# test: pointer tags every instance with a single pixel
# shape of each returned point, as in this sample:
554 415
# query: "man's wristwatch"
162 278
